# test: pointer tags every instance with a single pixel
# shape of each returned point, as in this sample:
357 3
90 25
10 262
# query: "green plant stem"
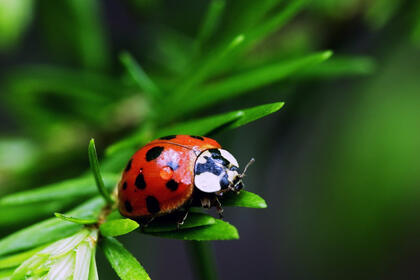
202 258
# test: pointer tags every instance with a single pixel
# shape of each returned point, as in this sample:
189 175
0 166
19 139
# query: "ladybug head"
217 170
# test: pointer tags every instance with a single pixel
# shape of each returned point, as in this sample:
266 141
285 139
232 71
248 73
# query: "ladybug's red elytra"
168 173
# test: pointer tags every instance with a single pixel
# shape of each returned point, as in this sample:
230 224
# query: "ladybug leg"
210 200
218 206
181 221
184 215
205 202
146 221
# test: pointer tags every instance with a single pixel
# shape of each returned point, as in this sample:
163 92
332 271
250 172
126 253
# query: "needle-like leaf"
17 259
219 231
339 66
193 220
242 83
203 72
6 273
122 261
140 77
94 165
211 20
118 227
49 230
20 214
75 220
244 199
93 270
205 126
62 191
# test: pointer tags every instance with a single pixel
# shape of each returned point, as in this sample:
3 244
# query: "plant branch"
202 259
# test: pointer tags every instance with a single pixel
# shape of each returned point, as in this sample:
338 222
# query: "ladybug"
170 173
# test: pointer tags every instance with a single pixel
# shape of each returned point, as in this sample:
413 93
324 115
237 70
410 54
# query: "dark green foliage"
144 102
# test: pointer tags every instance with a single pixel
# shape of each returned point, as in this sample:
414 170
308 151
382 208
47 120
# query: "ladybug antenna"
246 167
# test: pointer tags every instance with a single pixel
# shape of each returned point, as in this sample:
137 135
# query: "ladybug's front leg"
210 200
216 203
205 202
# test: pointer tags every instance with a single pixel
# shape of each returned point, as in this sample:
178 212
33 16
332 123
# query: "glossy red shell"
159 177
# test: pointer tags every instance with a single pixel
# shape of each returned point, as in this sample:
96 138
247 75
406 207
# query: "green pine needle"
94 165
143 81
211 20
220 230
243 83
61 191
75 220
49 230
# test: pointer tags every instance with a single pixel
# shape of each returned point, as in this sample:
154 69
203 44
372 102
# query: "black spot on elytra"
154 153
124 186
169 137
128 206
172 185
197 137
173 165
224 181
152 204
128 167
208 166
140 183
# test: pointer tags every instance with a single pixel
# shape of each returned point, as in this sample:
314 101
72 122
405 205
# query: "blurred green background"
339 165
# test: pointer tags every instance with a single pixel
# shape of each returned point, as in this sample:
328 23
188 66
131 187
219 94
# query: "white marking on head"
201 158
207 182
232 175
229 157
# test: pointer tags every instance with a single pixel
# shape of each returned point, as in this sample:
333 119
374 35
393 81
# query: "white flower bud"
68 258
